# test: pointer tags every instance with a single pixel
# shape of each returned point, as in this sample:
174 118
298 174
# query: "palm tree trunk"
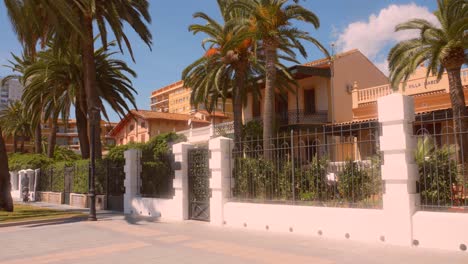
237 98
52 139
15 143
82 126
38 138
22 144
94 114
460 113
6 202
269 105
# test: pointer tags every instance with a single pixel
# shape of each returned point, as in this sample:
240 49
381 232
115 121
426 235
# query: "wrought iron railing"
333 166
442 158
297 116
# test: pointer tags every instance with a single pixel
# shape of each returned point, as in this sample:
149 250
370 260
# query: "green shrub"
312 180
157 172
437 172
64 154
58 172
22 161
81 176
252 130
253 178
355 183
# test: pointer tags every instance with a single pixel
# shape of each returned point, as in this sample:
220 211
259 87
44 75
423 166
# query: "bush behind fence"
328 168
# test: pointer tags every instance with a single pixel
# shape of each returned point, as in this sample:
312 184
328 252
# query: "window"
142 138
131 127
309 101
143 124
132 139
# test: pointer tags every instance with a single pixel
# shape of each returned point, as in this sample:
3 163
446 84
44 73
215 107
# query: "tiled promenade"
115 239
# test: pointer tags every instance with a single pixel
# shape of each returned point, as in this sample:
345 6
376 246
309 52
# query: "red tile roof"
153 115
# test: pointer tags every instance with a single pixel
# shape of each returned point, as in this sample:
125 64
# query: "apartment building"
175 98
11 91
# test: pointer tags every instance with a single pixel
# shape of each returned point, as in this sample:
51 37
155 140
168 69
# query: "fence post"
132 169
221 168
399 171
181 202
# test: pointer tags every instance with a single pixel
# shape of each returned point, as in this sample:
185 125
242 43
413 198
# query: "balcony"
416 86
298 116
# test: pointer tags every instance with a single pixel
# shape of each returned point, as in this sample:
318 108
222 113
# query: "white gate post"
220 182
399 171
132 173
181 202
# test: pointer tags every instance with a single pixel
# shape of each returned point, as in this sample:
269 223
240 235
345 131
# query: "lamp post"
92 170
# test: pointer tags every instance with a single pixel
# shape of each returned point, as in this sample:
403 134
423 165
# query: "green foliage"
81 176
437 171
64 154
312 180
18 161
157 172
253 130
253 176
355 182
58 179
116 153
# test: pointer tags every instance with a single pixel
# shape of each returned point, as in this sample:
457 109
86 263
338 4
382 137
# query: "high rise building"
12 90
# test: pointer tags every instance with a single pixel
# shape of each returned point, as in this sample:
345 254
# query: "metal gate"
199 184
115 177
69 173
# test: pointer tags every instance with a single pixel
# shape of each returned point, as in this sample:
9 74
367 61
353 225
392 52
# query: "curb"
46 221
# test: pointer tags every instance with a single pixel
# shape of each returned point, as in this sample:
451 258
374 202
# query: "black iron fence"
442 157
73 177
335 165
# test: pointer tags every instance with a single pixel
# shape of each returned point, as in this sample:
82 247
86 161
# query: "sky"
367 25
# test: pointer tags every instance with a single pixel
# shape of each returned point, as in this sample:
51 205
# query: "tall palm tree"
114 13
443 48
16 123
80 16
56 82
271 22
227 65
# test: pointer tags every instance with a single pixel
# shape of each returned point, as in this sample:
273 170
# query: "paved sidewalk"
119 239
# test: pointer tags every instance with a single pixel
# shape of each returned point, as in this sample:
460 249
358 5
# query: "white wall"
153 207
359 224
440 230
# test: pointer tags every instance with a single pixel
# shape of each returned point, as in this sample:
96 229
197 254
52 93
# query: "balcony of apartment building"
304 105
429 94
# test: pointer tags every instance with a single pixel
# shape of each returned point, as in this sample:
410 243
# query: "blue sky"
364 24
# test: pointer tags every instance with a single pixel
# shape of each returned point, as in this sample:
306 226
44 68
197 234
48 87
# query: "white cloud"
374 36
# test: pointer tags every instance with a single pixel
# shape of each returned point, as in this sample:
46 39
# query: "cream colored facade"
175 98
325 89
140 126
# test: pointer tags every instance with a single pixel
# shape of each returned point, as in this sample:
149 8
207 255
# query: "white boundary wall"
339 223
397 223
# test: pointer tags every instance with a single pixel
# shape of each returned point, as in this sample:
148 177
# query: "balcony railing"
299 116
413 87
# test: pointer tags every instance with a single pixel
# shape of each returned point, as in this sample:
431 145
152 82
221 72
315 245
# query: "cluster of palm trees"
246 51
60 67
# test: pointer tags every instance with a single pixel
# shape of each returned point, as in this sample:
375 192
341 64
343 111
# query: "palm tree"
227 65
443 49
113 13
56 82
6 201
16 123
62 17
271 22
